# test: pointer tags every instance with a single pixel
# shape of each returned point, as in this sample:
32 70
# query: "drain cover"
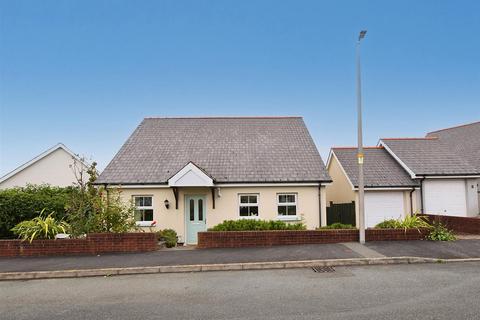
323 269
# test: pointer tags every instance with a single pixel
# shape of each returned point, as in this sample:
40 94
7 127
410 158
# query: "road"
427 291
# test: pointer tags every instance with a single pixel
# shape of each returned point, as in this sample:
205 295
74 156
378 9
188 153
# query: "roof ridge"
227 117
454 127
425 138
375 147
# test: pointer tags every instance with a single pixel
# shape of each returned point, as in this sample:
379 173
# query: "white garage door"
445 197
382 205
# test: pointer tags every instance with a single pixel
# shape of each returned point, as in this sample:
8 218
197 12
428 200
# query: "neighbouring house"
447 165
189 174
437 174
390 193
56 166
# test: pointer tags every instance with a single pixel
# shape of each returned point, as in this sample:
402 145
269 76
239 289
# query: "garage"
383 205
445 197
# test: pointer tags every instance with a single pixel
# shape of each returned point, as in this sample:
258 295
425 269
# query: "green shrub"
20 204
388 224
440 233
409 222
337 225
254 225
41 227
169 236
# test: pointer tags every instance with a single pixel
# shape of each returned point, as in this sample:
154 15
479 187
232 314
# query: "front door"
195 214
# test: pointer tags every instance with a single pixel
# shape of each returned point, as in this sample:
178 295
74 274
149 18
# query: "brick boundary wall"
240 239
94 243
457 224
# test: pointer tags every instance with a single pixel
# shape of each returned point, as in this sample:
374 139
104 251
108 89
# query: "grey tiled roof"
379 168
430 156
463 140
230 149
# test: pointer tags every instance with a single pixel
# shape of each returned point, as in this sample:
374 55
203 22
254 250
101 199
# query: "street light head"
362 34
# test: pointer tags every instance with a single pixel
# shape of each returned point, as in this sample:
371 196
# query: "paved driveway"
428 249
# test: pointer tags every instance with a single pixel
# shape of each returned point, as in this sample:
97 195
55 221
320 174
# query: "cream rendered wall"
54 169
340 190
226 206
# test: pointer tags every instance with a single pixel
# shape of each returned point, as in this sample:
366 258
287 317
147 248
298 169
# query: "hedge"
252 225
19 204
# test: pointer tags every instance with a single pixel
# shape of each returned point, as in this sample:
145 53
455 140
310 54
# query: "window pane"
138 215
200 210
243 211
147 201
243 199
138 201
253 211
192 210
292 210
290 198
282 210
148 215
282 198
252 199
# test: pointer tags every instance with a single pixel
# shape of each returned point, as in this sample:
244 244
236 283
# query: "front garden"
90 218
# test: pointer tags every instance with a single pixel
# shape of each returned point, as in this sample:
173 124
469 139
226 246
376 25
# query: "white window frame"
144 223
257 204
295 203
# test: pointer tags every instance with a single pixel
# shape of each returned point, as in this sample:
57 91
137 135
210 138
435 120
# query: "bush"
388 224
19 204
169 236
41 227
409 222
94 209
337 225
256 225
440 233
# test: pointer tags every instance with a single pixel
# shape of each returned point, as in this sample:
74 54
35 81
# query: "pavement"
238 259
418 291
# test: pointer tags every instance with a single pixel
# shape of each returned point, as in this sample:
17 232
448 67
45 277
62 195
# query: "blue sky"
85 73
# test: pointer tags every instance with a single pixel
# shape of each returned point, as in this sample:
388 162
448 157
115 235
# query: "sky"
86 73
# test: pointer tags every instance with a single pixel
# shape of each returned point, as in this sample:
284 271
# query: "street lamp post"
361 201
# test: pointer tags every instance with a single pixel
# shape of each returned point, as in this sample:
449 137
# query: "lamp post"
361 200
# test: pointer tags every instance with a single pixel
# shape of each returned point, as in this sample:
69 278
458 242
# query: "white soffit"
190 176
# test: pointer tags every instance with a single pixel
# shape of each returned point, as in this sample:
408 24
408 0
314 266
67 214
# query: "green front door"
195 215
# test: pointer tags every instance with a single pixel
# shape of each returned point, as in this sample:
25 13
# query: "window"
287 204
143 209
248 205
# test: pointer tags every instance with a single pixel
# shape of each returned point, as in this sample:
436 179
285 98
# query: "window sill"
144 223
289 218
249 218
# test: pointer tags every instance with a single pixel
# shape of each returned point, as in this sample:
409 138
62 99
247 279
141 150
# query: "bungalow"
55 166
190 174
390 193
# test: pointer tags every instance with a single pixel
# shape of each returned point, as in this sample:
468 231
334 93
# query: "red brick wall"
94 243
395 234
458 224
238 239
